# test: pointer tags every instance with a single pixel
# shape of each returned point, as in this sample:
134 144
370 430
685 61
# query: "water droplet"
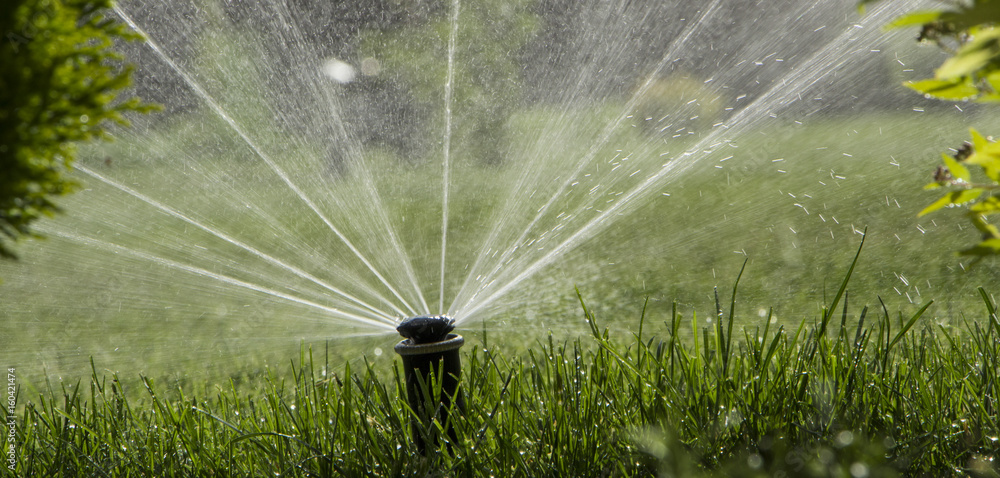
339 71
845 438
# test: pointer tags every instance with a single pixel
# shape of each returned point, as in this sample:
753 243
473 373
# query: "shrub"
58 87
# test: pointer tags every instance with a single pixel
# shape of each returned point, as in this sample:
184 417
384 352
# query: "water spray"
430 356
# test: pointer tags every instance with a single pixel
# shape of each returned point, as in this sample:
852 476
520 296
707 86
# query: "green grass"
850 393
80 300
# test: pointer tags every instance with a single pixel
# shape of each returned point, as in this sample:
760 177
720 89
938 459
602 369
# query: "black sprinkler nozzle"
427 350
424 329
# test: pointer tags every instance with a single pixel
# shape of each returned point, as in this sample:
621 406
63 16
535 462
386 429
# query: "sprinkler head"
430 353
425 329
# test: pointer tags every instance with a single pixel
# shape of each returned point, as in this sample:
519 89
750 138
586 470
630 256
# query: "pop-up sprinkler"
429 348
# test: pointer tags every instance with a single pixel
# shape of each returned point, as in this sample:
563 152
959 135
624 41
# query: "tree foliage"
59 84
968 30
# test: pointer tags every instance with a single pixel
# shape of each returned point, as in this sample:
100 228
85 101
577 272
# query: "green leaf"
993 170
991 148
986 156
862 4
971 57
990 205
988 98
993 79
987 229
978 141
954 198
956 89
988 247
915 18
958 171
963 64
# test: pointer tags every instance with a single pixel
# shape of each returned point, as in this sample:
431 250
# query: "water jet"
432 368
483 159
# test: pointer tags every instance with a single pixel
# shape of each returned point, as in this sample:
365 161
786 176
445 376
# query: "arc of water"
221 235
267 159
379 210
605 137
448 87
813 74
118 249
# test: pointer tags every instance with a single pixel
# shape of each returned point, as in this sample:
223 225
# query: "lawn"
137 276
854 391
220 295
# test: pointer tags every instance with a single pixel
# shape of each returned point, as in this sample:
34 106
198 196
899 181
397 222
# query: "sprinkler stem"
424 365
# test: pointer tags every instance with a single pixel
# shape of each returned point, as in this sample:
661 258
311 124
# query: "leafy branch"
983 198
59 87
968 31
